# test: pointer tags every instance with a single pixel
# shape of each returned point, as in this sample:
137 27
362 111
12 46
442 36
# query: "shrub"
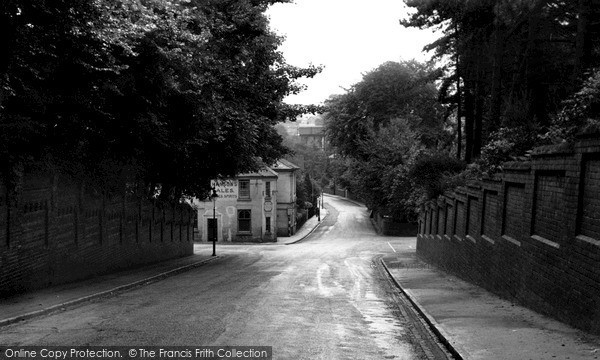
434 173
506 144
580 113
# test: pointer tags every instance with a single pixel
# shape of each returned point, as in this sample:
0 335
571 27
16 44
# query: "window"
268 224
268 189
244 217
244 189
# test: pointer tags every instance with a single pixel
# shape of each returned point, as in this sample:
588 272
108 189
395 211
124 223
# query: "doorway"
211 227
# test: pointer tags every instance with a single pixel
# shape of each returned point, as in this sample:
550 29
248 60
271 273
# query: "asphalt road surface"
326 297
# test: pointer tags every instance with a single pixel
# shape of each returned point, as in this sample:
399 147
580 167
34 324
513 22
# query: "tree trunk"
469 120
536 92
496 90
478 120
458 101
583 47
481 89
458 120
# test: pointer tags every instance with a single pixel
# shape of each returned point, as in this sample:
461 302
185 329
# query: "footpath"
60 297
307 228
476 323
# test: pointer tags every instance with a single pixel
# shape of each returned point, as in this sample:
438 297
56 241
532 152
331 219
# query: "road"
326 297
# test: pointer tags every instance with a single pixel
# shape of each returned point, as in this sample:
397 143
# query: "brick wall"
54 231
531 234
389 226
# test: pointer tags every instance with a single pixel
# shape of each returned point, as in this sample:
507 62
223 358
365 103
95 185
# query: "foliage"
506 144
580 113
307 192
379 127
314 163
392 90
434 173
508 63
311 160
390 150
402 89
162 94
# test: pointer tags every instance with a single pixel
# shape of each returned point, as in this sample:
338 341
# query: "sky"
347 37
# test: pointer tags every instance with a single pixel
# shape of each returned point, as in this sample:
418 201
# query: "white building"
254 207
286 197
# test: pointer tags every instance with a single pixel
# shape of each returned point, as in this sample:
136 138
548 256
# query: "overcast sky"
348 37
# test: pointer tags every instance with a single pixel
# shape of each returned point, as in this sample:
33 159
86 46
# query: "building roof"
311 130
311 120
264 172
283 164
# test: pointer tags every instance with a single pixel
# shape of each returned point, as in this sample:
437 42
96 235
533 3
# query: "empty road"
326 297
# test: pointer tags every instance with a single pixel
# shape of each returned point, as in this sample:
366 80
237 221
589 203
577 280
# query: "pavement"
476 324
307 228
57 298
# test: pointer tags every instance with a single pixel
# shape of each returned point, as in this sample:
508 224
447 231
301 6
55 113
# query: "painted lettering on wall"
226 188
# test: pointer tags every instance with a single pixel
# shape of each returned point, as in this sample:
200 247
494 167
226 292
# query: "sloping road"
323 298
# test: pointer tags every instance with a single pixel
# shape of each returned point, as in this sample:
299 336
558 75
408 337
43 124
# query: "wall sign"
268 206
226 189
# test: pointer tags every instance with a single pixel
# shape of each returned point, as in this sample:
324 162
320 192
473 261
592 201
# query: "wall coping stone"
564 148
488 239
588 240
546 241
460 190
589 133
511 240
516 166
474 186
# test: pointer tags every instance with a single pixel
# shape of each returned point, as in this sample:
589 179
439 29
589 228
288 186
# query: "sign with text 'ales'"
226 189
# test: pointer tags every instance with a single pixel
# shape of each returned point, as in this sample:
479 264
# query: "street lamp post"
214 197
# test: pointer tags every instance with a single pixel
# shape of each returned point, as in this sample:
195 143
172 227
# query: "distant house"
312 132
312 135
248 206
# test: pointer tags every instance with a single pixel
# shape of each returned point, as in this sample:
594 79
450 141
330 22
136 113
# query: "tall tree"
390 91
379 126
150 92
512 62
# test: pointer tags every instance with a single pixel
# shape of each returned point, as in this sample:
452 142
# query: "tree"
391 149
161 94
390 91
510 63
378 128
580 113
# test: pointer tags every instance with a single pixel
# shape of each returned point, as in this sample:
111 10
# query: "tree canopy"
380 127
392 90
156 93
508 63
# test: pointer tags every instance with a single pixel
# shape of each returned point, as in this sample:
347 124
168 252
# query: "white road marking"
391 246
